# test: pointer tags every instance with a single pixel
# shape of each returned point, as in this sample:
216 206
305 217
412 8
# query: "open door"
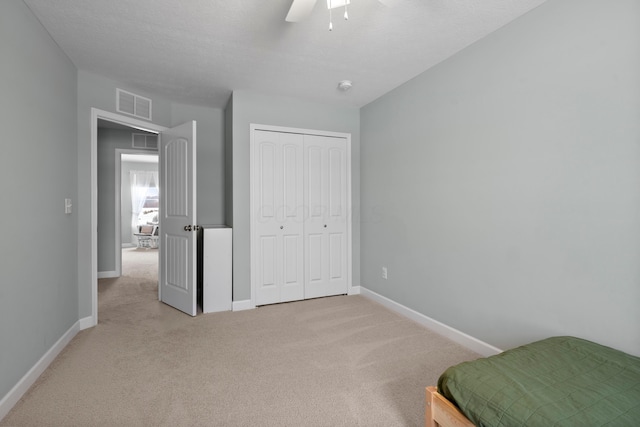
178 230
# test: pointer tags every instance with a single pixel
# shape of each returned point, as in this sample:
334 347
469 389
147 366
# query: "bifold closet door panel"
325 227
278 217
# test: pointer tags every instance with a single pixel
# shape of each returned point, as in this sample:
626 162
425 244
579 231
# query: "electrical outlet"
384 273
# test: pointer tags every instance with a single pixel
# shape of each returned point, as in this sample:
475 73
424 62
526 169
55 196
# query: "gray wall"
502 187
248 108
99 92
210 159
108 140
38 255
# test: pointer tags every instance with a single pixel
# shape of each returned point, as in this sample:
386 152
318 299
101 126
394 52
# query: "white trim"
252 128
285 129
354 290
118 215
453 334
252 231
118 211
246 304
14 395
108 274
123 120
86 323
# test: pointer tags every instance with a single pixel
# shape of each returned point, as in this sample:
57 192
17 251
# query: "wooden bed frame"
442 413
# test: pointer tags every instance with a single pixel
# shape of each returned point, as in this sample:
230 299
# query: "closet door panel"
291 182
336 185
337 218
313 184
314 256
278 217
315 196
315 265
267 272
267 183
337 260
325 228
336 265
292 222
292 288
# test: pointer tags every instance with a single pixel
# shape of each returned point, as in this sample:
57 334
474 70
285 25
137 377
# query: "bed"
559 381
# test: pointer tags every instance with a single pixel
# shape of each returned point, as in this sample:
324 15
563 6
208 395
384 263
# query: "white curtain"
141 181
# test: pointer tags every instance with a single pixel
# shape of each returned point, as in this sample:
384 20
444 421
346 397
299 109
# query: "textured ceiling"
198 51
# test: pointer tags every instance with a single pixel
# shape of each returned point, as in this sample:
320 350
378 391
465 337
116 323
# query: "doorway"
128 211
113 119
127 189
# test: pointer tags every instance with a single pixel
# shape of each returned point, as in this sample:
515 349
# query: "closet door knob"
325 226
187 228
281 227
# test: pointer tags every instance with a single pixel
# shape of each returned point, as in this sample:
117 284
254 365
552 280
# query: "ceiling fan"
300 9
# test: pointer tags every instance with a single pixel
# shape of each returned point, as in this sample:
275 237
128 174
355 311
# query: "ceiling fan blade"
299 10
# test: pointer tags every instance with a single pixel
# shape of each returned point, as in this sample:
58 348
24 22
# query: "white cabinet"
216 290
299 216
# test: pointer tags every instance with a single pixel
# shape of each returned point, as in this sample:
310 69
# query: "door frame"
97 114
252 231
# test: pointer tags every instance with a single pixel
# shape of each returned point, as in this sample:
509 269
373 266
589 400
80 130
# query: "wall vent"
135 105
144 141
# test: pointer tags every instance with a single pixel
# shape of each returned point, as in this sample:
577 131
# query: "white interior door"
278 217
178 237
325 195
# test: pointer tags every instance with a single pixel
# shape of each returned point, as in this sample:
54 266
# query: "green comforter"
559 381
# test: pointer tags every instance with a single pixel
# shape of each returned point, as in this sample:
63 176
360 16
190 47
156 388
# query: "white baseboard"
86 322
354 290
107 274
14 395
453 334
242 305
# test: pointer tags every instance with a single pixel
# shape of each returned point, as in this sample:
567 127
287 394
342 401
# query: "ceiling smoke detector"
345 85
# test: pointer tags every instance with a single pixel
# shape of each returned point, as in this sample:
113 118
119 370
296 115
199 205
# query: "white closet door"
325 196
278 217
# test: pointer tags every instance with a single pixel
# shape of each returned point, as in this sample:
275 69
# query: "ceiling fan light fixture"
333 4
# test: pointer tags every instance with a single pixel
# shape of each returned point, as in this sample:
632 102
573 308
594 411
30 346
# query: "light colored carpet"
339 361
